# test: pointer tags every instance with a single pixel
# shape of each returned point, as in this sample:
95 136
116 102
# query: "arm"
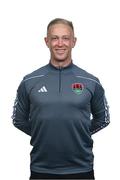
99 109
21 110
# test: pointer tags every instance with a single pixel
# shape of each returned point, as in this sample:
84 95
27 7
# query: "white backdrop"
22 50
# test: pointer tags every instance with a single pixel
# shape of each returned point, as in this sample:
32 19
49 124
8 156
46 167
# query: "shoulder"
83 74
42 71
31 79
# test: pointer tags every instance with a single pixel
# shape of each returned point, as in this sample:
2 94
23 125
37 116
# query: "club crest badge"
78 88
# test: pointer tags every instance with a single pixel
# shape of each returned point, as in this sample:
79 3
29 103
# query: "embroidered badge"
77 88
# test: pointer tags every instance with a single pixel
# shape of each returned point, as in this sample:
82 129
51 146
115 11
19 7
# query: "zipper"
60 69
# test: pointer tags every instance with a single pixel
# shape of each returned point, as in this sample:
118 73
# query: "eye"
54 38
66 38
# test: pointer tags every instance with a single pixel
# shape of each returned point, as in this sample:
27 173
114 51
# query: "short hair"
60 21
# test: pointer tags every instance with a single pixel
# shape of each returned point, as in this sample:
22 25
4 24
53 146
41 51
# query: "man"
54 105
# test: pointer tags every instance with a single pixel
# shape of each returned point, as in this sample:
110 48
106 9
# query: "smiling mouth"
60 51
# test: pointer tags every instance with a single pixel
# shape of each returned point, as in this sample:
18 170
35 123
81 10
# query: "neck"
60 64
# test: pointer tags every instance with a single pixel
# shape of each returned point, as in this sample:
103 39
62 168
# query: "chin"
61 59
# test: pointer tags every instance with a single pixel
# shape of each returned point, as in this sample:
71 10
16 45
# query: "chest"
60 89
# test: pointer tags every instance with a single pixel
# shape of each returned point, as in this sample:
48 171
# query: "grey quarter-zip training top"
60 108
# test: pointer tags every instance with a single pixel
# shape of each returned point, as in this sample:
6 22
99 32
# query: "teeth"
60 50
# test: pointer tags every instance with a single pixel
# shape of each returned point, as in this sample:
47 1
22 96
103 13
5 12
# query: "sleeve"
21 110
99 109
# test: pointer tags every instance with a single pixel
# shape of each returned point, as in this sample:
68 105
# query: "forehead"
60 29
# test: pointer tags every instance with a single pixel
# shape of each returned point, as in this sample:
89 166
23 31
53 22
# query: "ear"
46 41
74 42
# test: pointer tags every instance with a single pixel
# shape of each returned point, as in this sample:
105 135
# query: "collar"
68 67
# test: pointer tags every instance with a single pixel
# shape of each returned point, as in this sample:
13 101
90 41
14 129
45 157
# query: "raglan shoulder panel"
90 81
80 73
30 80
37 73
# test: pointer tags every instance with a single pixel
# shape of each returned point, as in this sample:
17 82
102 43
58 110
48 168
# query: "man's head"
60 21
60 40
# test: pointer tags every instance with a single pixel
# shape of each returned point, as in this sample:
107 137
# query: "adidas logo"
42 89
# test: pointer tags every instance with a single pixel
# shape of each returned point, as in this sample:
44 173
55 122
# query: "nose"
60 42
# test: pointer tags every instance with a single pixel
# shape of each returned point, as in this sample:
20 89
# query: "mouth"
60 51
